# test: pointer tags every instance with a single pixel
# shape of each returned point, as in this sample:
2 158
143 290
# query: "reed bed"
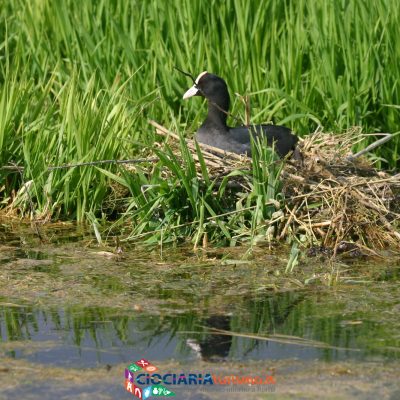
332 199
79 81
336 199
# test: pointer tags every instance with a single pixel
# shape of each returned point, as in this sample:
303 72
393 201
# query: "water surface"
70 305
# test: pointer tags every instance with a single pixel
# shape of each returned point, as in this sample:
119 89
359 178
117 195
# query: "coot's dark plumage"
214 130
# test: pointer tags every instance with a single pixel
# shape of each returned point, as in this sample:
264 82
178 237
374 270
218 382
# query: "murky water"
68 306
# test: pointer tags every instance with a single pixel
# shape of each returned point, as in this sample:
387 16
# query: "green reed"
78 81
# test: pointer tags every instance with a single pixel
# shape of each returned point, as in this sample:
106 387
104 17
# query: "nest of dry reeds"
341 198
334 197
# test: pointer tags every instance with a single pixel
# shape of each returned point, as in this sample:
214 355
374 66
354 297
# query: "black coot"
214 130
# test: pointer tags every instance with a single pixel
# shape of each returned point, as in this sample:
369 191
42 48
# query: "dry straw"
332 198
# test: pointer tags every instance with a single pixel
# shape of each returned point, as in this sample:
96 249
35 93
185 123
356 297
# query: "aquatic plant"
78 82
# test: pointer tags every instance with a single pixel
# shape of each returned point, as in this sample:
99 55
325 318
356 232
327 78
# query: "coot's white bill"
191 92
194 91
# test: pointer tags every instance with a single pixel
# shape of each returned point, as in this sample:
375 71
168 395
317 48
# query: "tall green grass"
78 81
191 207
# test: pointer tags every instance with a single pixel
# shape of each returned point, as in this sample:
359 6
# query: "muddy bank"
294 380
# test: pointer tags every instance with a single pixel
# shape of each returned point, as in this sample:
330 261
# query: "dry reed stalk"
333 196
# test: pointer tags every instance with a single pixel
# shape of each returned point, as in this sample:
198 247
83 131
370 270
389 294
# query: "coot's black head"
213 88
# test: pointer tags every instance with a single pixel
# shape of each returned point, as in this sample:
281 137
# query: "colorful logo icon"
157 390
